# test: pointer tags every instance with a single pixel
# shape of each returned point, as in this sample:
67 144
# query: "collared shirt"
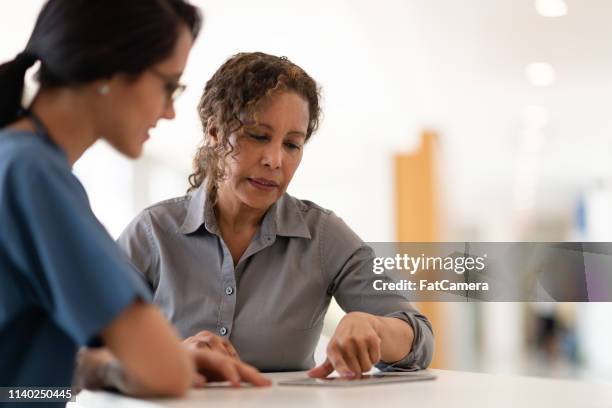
271 304
62 277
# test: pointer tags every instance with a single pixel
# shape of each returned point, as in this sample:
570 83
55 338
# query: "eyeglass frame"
172 87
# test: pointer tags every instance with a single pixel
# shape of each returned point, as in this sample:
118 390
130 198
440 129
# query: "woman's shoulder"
24 147
169 204
325 222
167 214
293 213
26 157
306 206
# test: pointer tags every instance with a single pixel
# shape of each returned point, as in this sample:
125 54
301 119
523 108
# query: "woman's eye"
259 138
292 146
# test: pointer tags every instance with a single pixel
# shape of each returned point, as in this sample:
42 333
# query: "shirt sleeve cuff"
421 352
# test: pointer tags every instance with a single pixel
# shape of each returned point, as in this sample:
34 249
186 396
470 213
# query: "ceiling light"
551 8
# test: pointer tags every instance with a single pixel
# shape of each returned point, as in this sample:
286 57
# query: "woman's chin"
130 149
259 203
133 152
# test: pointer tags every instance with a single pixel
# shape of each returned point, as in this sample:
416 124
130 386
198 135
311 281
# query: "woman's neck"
64 114
236 217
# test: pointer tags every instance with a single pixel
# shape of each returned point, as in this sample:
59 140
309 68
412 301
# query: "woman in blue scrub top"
108 70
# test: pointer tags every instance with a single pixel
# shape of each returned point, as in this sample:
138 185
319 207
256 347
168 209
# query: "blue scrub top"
62 277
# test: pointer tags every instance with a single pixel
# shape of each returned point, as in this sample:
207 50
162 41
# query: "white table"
450 389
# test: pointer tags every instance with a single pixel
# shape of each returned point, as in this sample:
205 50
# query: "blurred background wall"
516 93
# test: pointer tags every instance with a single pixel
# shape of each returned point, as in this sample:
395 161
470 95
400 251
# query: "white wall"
388 68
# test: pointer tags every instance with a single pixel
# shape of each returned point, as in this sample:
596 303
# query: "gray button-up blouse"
271 304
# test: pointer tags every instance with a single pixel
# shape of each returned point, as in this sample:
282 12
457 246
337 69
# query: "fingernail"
348 374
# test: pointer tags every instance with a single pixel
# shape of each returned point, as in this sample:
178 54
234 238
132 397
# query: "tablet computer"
366 379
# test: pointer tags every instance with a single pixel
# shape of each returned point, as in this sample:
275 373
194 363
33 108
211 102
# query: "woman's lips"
262 184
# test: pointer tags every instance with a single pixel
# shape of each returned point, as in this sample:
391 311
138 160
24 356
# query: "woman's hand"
362 340
354 348
209 340
99 369
215 366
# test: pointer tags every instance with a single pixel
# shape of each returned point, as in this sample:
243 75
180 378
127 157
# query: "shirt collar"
284 218
198 212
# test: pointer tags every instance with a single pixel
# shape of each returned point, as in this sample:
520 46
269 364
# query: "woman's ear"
212 130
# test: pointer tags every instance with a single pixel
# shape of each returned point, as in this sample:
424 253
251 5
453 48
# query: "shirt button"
229 290
223 331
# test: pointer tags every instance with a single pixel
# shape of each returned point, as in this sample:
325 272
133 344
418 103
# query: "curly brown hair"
237 89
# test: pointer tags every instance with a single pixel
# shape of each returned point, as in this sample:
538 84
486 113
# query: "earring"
104 89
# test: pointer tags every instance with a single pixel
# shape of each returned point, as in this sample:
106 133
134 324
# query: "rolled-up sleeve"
348 262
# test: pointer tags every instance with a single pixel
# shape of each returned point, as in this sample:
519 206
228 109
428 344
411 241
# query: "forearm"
396 338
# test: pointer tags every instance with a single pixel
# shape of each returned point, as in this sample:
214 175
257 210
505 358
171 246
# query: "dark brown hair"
237 89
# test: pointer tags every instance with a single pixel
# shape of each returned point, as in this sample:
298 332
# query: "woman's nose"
169 112
272 156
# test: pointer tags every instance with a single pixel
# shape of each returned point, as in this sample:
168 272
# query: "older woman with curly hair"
239 265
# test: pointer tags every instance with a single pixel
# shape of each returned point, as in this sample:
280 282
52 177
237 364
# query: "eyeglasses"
172 87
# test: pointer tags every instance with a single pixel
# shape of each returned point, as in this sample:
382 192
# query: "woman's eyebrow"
176 75
297 132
